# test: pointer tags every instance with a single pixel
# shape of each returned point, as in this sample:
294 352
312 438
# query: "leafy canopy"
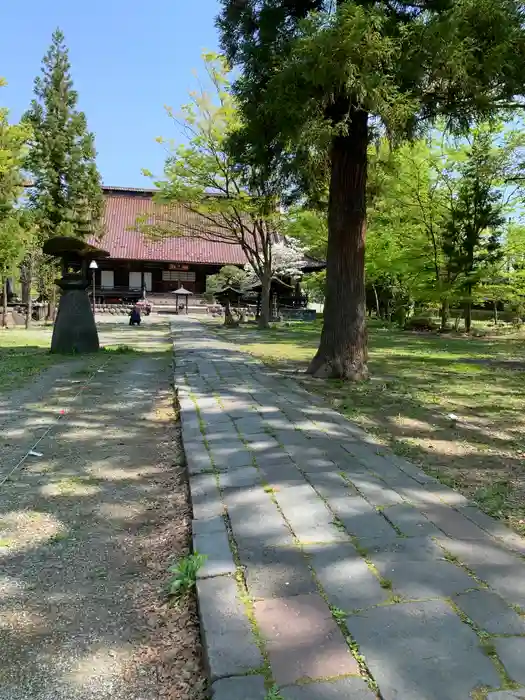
404 63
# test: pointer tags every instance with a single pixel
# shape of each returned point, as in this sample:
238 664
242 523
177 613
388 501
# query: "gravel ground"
87 532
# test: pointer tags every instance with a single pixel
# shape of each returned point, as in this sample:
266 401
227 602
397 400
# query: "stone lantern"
74 330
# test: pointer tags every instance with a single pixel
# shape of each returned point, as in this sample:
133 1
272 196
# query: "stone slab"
197 457
340 689
213 418
375 491
347 581
330 484
369 458
208 525
308 516
276 572
507 695
219 559
239 478
258 525
511 651
274 458
453 523
502 570
410 521
243 688
227 636
220 607
218 431
490 613
302 639
231 654
412 549
231 458
495 528
205 496
422 650
360 518
261 442
420 580
252 425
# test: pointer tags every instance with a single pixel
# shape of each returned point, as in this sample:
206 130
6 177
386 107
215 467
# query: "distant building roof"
125 204
123 242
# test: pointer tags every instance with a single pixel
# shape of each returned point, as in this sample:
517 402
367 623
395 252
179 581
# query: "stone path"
73 519
334 569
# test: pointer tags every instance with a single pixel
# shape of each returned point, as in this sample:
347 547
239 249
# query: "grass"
24 354
417 381
184 575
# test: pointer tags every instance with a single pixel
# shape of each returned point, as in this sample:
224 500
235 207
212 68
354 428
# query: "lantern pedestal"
75 330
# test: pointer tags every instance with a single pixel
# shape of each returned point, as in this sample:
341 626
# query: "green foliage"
315 74
228 276
14 236
66 192
13 142
473 230
383 57
273 694
222 198
184 575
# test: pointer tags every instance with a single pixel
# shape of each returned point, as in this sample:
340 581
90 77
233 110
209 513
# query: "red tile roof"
124 205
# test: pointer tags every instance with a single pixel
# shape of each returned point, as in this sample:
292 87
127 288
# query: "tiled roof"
124 205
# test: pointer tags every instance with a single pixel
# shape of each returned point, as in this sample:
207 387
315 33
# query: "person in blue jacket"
134 316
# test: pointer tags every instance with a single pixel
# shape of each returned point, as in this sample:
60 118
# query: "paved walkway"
334 569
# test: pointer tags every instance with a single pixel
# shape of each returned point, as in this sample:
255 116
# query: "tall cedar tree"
319 76
66 187
472 235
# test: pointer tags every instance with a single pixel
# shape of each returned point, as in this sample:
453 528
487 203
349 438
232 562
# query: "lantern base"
75 331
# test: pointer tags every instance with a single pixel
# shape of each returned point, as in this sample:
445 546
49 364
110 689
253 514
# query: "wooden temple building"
138 266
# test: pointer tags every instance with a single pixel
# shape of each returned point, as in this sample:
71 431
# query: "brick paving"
334 568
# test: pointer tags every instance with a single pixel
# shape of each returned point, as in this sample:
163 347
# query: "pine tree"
62 155
472 235
66 188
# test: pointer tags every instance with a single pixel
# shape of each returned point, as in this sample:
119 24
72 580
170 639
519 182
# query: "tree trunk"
4 301
468 311
264 312
342 351
495 306
378 309
28 282
444 313
51 306
228 316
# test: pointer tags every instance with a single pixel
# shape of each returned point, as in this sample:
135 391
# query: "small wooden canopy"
181 291
185 294
276 282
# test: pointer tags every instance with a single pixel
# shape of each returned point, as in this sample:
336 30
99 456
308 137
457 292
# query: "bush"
421 323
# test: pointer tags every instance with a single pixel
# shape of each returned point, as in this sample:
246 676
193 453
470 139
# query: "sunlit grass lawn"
24 354
417 380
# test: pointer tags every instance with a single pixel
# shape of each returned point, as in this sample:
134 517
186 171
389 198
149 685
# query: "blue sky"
128 59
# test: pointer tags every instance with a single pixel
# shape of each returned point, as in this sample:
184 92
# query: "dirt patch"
173 651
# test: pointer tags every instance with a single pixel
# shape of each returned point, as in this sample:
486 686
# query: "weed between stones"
184 575
453 559
488 647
